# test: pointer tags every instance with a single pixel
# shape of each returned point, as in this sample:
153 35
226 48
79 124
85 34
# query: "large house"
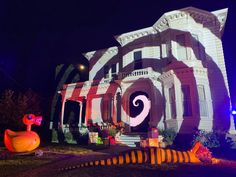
169 75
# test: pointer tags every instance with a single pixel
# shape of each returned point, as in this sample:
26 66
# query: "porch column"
118 107
80 113
62 115
112 109
88 110
109 110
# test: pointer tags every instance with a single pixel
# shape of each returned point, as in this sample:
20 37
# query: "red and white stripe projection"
183 51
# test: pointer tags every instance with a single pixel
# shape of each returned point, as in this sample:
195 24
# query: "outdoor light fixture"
81 67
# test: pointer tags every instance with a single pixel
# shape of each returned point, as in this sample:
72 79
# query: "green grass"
66 149
12 164
17 164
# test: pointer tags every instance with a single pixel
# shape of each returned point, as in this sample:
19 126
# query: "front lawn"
12 164
56 156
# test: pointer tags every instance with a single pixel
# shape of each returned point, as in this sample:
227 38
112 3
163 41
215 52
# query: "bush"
112 132
168 135
230 141
14 105
209 139
54 136
83 130
69 138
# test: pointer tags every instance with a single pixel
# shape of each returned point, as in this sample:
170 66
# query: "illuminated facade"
169 75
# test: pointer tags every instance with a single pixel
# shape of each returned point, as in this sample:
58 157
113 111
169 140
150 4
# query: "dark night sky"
37 35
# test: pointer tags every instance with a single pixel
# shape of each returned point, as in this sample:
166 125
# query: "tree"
13 106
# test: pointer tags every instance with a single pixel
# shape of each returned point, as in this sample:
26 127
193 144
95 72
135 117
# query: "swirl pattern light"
137 120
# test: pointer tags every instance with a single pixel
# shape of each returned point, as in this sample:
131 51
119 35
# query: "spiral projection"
137 120
117 108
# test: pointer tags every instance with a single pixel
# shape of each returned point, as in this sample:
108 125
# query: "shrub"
209 139
14 105
83 130
69 138
54 136
230 141
168 135
112 132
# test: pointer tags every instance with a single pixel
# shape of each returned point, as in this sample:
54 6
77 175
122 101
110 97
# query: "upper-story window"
186 101
172 102
106 71
165 50
181 47
110 70
198 49
196 46
202 100
138 59
113 70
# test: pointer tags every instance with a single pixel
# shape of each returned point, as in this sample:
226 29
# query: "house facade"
169 75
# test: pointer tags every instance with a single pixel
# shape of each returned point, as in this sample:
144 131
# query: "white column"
112 104
80 113
62 116
110 107
167 104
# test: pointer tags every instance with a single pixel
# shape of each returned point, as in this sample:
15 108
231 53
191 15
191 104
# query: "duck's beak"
38 120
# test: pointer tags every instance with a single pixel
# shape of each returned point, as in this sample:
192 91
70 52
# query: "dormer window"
138 59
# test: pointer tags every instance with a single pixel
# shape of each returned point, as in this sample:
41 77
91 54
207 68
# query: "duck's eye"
29 117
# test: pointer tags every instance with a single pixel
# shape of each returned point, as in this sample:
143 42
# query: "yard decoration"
153 132
99 141
93 136
153 156
105 136
23 141
93 128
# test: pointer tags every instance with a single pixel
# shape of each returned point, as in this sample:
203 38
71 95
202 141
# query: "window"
172 102
202 100
198 51
137 55
106 72
186 100
138 60
181 47
113 70
195 45
165 50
